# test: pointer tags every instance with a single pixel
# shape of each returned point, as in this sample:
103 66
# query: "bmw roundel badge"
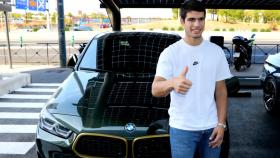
130 127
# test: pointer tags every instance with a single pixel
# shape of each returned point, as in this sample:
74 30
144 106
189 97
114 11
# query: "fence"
259 52
32 53
48 53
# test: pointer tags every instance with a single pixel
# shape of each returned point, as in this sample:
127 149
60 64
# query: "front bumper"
102 145
51 146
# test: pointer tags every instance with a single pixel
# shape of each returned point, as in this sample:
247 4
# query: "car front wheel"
270 94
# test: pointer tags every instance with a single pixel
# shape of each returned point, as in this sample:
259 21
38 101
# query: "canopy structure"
210 4
113 6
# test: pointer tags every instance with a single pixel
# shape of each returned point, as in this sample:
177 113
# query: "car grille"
100 145
151 146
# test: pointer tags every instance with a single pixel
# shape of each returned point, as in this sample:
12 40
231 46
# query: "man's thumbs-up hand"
180 83
184 72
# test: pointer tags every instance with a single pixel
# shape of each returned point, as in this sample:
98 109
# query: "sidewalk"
24 67
22 75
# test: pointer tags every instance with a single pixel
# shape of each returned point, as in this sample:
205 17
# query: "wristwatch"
222 125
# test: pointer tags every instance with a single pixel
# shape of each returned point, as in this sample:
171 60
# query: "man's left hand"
216 138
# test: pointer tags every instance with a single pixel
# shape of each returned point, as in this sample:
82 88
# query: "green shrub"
262 30
35 29
180 28
151 29
165 28
231 29
217 29
268 30
254 30
224 29
172 29
133 28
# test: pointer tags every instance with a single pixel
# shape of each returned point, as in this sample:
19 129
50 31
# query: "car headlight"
50 124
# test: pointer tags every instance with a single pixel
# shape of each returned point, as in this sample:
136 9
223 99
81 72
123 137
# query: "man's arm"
221 103
162 87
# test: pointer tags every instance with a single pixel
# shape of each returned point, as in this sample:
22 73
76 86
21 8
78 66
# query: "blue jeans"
184 143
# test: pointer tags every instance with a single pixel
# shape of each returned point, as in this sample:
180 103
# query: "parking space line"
21 105
19 96
18 128
35 90
45 84
15 147
18 115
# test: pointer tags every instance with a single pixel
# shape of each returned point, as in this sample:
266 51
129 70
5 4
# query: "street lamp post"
61 33
7 32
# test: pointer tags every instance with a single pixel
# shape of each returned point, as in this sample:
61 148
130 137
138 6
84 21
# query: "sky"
90 6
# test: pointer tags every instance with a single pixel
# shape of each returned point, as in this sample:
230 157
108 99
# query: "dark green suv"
105 107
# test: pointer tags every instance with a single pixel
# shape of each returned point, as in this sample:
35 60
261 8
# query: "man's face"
194 24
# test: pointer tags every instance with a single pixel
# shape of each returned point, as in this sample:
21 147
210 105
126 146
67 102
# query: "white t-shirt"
195 110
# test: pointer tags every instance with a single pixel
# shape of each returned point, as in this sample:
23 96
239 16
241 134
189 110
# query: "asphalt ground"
253 132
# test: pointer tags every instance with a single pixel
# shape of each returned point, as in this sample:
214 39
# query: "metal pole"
61 33
5 54
48 54
48 17
8 38
25 53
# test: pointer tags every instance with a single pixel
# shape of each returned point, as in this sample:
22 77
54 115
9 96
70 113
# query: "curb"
10 82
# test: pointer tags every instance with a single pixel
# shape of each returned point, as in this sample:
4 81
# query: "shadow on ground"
49 75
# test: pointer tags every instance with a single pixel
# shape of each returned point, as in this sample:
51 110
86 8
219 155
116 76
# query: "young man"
193 71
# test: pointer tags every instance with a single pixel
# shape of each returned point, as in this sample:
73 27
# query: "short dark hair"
191 5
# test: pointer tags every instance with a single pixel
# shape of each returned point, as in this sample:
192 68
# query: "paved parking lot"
253 132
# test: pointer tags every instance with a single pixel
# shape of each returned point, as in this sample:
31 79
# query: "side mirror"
72 61
82 46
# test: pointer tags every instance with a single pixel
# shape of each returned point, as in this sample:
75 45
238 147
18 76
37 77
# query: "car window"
89 58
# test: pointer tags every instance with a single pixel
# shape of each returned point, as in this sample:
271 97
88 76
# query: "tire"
270 95
248 65
233 85
237 66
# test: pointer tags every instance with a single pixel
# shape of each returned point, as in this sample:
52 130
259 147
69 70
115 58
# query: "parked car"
104 25
105 107
270 79
82 28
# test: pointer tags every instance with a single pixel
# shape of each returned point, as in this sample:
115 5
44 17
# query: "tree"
16 16
69 21
175 12
224 14
271 15
213 12
231 15
54 18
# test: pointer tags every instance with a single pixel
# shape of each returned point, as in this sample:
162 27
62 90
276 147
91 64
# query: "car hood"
274 59
65 107
65 99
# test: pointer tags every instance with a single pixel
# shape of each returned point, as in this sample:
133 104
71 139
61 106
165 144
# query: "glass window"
89 58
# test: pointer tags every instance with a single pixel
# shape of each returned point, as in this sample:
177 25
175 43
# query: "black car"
270 79
105 107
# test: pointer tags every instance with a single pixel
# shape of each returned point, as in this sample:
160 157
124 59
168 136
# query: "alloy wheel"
270 95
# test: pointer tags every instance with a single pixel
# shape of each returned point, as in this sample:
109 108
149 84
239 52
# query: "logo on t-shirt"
195 63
